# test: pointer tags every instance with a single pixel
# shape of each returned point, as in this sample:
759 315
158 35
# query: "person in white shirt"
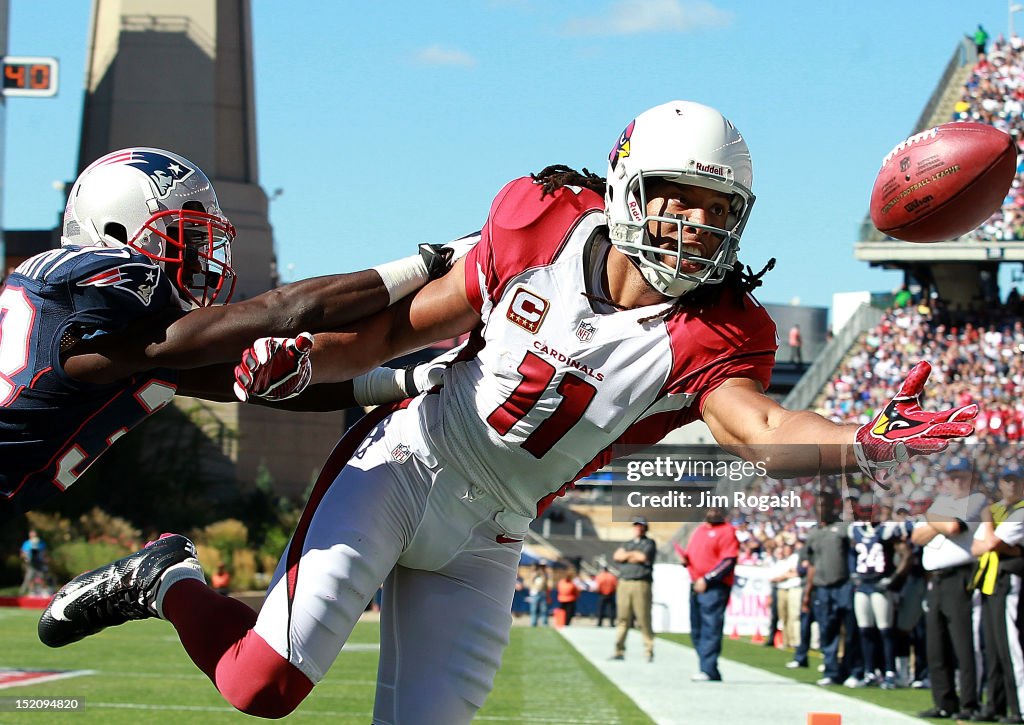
946 534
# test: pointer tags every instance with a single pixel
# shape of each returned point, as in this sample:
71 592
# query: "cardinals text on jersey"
556 380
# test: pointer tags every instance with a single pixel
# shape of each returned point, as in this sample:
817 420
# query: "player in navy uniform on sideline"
872 557
99 334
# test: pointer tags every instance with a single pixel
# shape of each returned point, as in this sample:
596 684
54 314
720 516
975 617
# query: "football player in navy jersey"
99 334
872 555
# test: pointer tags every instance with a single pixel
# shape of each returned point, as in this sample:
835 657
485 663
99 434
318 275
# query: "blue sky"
388 124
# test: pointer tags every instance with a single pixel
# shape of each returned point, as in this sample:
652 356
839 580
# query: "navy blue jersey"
873 551
51 426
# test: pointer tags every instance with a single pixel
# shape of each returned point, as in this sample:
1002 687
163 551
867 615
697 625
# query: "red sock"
217 632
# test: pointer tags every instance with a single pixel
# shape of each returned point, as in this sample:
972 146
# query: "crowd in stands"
977 358
994 94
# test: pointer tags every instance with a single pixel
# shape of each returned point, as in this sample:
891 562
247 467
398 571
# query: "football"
942 183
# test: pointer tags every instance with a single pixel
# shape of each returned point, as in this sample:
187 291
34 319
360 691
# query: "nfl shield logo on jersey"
585 332
401 453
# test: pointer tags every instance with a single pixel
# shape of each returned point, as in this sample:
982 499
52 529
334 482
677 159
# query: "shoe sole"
57 629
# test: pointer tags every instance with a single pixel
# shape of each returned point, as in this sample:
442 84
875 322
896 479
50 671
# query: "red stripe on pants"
217 631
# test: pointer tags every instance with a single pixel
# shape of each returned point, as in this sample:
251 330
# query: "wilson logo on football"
527 310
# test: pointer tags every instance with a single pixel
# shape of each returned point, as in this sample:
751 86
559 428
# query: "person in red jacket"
710 558
568 593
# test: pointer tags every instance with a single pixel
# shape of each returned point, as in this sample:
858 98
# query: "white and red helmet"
684 143
163 206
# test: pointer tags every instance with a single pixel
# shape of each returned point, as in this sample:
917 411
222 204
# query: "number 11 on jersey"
538 373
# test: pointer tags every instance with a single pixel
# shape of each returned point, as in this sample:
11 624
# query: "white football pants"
385 509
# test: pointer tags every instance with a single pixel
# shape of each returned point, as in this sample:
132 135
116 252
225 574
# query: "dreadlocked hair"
739 281
554 177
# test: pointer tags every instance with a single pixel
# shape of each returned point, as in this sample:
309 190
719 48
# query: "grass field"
142 675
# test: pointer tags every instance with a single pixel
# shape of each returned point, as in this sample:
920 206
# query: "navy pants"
538 609
833 611
707 620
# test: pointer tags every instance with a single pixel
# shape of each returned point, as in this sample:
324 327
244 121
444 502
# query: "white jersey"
436 494
555 379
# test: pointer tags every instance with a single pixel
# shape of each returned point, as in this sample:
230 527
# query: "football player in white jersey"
602 313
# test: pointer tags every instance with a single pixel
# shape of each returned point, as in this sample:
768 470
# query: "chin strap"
664 282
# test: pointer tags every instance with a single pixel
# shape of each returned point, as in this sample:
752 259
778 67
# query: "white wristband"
380 385
403 276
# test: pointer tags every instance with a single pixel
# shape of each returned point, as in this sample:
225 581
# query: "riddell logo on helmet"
713 169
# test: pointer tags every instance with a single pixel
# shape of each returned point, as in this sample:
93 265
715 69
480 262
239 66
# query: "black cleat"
115 593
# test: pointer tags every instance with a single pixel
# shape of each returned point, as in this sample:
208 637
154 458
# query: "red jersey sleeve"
524 229
735 338
757 366
709 346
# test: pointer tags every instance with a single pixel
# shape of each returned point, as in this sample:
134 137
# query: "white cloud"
634 17
436 55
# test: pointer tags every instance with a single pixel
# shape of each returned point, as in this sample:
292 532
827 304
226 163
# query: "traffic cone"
758 638
824 718
735 633
778 639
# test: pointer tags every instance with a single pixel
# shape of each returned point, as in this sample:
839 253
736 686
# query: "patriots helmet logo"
137 279
165 172
621 148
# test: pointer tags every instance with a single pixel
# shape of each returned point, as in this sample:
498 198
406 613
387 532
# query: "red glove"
274 368
902 429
